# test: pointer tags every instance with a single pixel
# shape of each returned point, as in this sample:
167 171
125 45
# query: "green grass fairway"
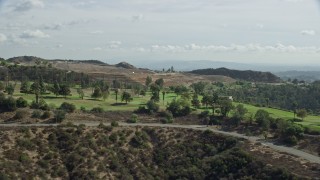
110 104
310 121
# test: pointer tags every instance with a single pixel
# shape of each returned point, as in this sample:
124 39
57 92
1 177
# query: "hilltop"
122 71
248 75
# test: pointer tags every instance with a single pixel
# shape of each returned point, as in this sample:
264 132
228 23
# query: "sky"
243 31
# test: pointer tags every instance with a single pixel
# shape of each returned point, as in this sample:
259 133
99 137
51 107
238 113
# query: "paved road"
289 150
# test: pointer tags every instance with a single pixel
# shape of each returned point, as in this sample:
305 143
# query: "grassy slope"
310 121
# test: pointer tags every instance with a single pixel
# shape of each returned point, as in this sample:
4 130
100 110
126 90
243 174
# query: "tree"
205 100
302 113
152 106
213 100
105 95
2 86
42 85
148 81
126 97
68 107
56 88
262 118
65 90
239 113
163 95
195 101
116 91
199 87
10 89
25 87
159 82
225 106
81 93
155 91
35 89
179 107
97 93
294 108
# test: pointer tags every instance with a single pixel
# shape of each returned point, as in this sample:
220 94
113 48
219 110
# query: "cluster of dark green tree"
48 74
252 76
286 96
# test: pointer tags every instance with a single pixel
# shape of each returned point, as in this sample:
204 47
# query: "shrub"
133 119
46 115
21 113
41 105
291 140
114 124
152 106
168 117
10 104
59 116
21 103
68 107
36 114
179 107
83 109
141 109
97 110
24 158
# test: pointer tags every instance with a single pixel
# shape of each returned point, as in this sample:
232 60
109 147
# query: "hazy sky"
260 31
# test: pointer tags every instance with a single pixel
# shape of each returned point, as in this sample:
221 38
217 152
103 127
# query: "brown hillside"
136 75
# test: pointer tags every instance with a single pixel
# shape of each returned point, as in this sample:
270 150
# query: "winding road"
289 150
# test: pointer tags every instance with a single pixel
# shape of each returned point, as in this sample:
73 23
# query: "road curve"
289 150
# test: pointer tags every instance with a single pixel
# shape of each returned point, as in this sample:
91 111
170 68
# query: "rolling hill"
248 75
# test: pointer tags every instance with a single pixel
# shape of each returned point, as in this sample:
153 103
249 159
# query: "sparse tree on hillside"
155 91
65 90
302 113
80 93
2 86
225 106
56 88
195 101
159 82
294 108
148 81
97 93
105 95
116 91
35 89
126 97
25 87
10 89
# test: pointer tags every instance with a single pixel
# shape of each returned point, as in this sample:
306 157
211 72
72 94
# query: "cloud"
114 44
3 37
97 32
53 27
259 26
136 18
97 49
26 5
308 32
33 34
246 48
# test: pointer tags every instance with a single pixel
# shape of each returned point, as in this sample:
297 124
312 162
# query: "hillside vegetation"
253 76
103 152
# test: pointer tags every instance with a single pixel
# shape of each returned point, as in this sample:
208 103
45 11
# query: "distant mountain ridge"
247 75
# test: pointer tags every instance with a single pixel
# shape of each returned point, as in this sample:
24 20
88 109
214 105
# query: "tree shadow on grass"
118 104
